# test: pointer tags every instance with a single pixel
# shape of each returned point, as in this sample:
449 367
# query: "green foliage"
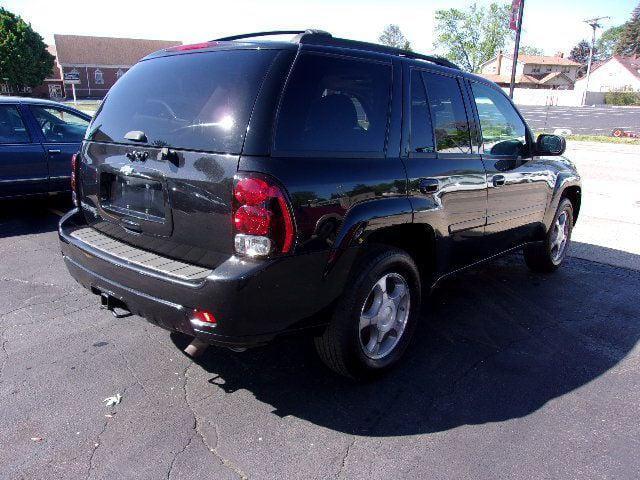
580 53
392 36
629 42
474 35
529 50
607 42
622 98
24 59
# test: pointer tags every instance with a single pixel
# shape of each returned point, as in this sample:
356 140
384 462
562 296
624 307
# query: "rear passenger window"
503 131
334 104
421 132
448 114
12 130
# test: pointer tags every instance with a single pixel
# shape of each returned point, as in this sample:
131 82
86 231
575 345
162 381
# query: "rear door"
23 165
446 176
62 132
157 171
517 187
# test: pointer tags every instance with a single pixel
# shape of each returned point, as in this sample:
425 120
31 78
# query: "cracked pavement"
512 375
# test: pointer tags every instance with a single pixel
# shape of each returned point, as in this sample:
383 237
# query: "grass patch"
604 139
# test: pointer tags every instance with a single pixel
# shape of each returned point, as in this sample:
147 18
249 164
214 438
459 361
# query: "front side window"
12 129
448 114
60 126
334 104
503 131
421 132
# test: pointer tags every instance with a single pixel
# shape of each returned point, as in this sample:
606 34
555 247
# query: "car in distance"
37 139
242 189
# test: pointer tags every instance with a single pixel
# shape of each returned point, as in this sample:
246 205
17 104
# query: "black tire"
540 257
340 347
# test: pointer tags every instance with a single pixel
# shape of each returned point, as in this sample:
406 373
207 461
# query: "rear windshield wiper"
136 136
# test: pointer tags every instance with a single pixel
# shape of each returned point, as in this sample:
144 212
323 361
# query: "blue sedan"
37 139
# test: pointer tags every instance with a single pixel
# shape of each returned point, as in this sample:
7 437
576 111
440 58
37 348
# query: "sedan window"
12 129
59 125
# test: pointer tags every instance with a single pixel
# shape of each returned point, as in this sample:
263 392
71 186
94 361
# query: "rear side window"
12 129
198 101
59 125
334 104
503 131
421 134
448 114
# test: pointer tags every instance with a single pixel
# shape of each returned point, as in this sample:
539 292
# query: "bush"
622 98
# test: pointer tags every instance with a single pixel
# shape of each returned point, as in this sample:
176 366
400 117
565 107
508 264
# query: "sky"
552 25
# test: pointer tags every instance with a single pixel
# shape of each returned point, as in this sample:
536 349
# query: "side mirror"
550 145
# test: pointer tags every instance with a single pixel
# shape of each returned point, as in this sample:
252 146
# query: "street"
512 375
582 120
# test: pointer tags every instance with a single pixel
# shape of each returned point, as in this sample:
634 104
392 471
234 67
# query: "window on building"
535 69
448 114
59 125
99 78
12 129
119 73
503 131
5 88
549 68
421 131
334 104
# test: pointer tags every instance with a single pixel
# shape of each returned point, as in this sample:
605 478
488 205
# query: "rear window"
199 101
335 104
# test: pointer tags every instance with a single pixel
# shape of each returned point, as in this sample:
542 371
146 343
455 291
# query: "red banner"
516 5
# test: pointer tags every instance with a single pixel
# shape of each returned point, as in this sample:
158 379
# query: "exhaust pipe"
196 348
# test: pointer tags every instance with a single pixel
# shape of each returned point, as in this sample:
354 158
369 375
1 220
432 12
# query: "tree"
474 35
24 59
392 36
529 50
607 42
580 53
629 42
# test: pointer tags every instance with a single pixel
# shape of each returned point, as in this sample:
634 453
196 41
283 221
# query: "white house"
616 74
532 71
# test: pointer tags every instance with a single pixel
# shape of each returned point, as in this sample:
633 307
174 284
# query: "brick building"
99 61
96 61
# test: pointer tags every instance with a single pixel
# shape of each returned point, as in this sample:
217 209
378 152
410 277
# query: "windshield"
198 101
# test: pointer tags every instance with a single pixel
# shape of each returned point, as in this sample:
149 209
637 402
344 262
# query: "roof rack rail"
375 47
299 33
320 37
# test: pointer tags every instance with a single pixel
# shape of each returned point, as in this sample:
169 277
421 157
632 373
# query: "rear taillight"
261 217
75 165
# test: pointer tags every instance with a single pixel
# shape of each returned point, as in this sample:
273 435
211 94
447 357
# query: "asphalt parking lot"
513 375
596 120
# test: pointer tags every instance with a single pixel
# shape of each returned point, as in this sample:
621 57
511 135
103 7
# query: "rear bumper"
252 301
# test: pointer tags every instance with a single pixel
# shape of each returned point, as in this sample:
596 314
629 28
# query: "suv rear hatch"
161 153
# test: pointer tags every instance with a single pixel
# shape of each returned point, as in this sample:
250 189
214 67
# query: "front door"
517 188
447 180
23 165
62 132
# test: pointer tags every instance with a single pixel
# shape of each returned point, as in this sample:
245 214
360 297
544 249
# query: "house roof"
520 79
553 75
87 50
545 60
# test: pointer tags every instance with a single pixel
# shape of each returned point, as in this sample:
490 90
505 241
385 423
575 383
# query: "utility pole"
517 10
594 23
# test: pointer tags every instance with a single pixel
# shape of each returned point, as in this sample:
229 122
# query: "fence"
563 98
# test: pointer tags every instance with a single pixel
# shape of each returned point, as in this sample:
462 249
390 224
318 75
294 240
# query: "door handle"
498 180
428 185
54 151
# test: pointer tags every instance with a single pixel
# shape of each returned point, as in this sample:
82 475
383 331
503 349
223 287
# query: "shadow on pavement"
31 216
494 344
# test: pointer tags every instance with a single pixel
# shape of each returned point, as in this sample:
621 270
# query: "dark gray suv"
242 189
